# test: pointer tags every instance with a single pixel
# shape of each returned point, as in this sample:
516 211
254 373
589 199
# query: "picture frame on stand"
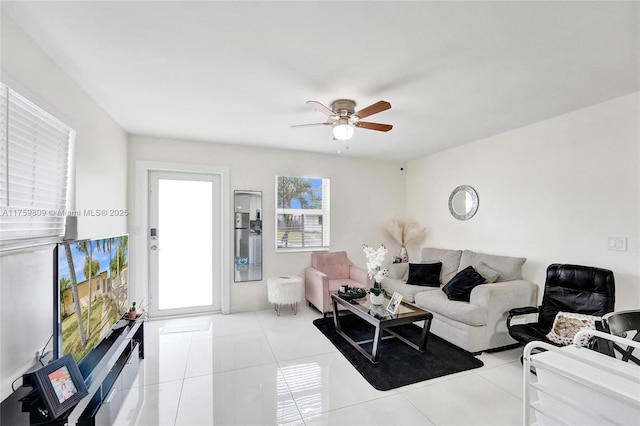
61 386
394 304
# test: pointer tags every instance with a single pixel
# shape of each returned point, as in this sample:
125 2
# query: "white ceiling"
240 72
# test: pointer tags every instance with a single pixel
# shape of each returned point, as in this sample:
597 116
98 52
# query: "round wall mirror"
463 202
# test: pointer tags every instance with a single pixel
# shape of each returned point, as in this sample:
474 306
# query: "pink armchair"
327 271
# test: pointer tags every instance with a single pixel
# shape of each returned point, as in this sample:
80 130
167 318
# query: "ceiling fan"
344 119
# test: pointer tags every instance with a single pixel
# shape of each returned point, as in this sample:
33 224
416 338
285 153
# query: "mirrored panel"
247 236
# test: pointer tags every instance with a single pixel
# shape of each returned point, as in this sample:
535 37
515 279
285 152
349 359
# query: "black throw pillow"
425 274
460 286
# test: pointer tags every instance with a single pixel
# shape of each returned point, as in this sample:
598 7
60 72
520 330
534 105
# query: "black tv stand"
38 415
108 370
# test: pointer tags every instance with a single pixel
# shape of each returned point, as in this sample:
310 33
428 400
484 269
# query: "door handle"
154 247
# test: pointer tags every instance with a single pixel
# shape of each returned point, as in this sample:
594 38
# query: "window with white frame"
35 161
302 213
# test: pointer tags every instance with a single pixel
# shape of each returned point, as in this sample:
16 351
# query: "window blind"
35 170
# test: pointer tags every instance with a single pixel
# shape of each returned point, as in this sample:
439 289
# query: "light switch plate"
617 243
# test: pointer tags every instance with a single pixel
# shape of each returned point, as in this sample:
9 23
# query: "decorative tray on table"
353 293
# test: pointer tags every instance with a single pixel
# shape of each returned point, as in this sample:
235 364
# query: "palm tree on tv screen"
88 263
117 264
95 267
119 261
65 283
74 290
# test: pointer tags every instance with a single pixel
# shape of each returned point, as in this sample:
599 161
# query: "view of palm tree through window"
302 219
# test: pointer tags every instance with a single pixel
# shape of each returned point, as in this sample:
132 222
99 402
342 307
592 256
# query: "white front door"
184 243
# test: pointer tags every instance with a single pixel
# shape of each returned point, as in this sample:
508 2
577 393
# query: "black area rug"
398 364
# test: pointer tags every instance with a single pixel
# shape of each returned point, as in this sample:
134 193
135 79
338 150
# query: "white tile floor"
255 368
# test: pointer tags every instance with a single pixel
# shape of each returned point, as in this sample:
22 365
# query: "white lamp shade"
343 129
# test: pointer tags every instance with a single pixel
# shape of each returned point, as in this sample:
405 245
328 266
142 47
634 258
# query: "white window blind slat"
25 167
26 128
31 137
29 109
25 184
41 199
35 162
46 176
20 140
36 168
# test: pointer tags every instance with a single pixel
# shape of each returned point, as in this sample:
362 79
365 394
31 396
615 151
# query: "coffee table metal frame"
383 321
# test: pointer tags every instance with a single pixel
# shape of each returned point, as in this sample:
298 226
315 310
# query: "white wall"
101 164
365 194
26 277
552 192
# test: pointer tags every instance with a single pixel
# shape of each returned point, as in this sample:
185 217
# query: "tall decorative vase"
404 256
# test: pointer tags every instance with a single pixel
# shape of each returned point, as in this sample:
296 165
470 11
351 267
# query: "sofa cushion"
408 291
509 268
425 274
450 261
460 286
489 274
464 312
398 271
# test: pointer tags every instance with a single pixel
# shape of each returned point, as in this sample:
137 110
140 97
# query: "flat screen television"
90 292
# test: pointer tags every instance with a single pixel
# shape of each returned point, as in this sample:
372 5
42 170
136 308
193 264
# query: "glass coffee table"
383 321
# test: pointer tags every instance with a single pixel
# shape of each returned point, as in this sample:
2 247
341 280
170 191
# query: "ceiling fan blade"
373 109
321 108
373 126
312 124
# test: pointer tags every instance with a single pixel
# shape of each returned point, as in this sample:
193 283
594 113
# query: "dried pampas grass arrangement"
406 232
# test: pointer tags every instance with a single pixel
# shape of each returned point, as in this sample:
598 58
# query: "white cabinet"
578 386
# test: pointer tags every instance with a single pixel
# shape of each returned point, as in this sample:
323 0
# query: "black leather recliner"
568 288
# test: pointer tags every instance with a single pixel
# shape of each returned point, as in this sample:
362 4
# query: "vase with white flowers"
403 233
375 258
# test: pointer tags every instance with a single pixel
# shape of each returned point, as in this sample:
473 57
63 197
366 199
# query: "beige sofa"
480 323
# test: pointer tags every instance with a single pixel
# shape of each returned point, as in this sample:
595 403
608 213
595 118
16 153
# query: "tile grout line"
418 409
184 373
284 378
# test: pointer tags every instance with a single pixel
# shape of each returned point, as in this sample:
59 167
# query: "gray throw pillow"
398 271
489 274
510 268
450 261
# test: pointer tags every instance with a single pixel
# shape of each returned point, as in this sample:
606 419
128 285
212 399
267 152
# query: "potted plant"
376 272
133 313
376 295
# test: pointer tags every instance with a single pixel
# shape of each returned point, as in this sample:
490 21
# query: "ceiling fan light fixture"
343 129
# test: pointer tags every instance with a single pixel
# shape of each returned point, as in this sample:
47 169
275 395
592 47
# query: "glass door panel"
184 221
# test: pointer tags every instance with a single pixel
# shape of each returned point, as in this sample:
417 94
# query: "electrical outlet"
617 243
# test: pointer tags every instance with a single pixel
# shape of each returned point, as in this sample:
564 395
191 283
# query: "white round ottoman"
285 290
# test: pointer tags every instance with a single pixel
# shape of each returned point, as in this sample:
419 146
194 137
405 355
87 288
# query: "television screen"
91 285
